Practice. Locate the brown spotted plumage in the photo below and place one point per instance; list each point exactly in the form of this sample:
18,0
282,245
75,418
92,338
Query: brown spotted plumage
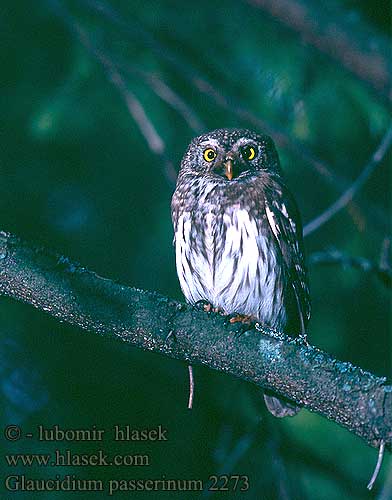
238,234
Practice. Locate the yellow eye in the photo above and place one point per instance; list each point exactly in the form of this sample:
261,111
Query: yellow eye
209,154
248,153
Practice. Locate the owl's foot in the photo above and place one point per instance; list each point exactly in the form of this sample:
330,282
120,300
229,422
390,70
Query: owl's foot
204,305
208,308
246,319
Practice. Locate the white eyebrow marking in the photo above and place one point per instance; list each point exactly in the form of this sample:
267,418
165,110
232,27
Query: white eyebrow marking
210,142
242,141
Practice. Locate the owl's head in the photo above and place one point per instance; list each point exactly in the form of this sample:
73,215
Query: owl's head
230,154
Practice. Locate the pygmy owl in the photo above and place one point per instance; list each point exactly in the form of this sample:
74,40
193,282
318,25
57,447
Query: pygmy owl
238,235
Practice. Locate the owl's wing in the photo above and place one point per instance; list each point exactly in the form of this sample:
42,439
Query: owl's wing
285,222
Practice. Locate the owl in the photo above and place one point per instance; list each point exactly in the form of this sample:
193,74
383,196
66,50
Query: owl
238,236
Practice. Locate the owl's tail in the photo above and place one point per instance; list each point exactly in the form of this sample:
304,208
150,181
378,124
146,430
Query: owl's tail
278,407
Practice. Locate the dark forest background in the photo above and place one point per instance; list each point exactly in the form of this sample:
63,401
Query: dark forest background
99,101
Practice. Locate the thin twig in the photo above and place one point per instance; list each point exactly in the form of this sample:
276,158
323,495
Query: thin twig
378,465
168,95
348,195
135,108
191,387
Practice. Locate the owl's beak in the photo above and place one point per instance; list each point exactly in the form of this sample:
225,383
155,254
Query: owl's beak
229,169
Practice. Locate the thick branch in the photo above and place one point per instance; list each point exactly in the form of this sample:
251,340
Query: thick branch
355,399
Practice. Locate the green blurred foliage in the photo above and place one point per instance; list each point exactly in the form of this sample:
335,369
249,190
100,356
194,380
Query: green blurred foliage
77,175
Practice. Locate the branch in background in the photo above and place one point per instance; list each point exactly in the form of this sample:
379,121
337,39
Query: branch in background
334,256
198,81
349,194
163,91
364,53
168,95
134,106
346,394
224,101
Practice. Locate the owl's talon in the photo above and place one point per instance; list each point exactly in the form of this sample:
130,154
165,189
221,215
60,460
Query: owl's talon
203,305
243,318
